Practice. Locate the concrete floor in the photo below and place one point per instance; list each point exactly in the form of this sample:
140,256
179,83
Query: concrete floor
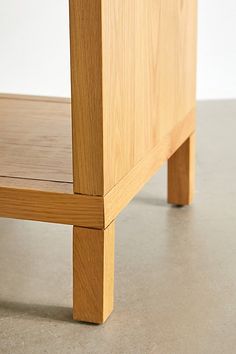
175,268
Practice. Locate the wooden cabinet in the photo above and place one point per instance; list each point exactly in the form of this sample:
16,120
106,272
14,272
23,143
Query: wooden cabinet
133,74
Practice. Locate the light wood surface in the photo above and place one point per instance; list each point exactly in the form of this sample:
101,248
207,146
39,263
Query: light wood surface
129,186
36,185
133,80
27,165
87,101
52,207
52,99
133,66
93,280
181,174
36,164
149,59
35,138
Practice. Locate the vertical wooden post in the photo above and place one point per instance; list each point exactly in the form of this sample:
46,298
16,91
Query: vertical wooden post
93,250
86,92
181,174
93,253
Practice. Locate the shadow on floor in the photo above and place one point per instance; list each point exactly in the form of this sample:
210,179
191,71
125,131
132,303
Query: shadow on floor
56,313
49,312
156,202
152,200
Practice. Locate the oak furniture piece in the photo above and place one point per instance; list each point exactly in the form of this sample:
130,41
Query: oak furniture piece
133,67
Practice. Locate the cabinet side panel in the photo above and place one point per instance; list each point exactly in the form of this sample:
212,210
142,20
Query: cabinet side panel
149,64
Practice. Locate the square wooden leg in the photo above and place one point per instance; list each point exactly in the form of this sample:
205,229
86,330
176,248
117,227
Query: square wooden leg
181,174
93,274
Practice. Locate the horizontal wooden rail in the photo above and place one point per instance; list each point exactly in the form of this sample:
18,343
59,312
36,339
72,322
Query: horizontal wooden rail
59,208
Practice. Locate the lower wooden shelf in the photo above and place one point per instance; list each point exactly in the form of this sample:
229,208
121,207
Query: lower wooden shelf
35,143
36,180
36,164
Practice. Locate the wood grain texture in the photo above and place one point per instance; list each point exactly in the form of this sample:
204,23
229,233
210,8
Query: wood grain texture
133,79
36,185
52,207
87,101
129,186
93,270
59,204
52,99
35,138
149,66
181,174
133,67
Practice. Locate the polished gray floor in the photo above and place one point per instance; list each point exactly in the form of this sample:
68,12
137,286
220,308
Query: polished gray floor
175,267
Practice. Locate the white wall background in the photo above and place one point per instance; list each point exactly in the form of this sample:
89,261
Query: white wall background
34,48
216,49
